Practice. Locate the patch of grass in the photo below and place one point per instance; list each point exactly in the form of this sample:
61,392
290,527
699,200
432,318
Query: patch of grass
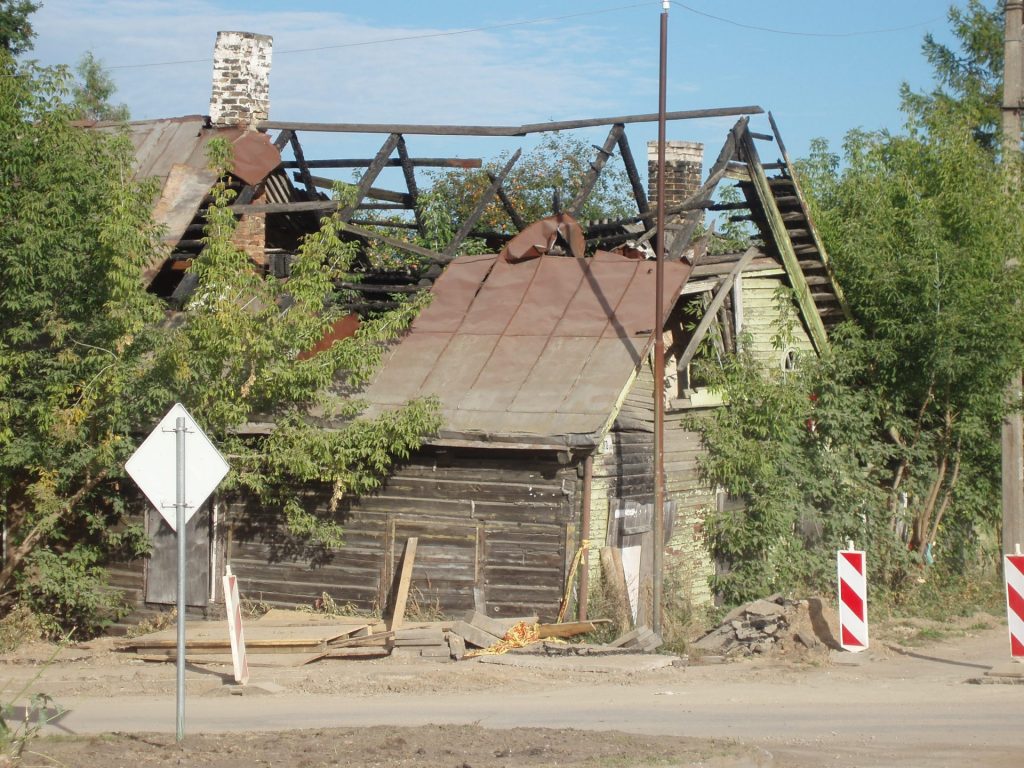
253,608
926,635
940,594
419,608
18,627
160,621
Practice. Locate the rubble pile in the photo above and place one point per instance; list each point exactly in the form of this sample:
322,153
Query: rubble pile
770,625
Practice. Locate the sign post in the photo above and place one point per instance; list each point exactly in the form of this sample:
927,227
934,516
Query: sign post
196,473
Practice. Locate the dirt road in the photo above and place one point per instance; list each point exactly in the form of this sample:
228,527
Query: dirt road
908,707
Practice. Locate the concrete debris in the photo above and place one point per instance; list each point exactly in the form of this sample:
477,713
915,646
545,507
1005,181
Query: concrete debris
769,625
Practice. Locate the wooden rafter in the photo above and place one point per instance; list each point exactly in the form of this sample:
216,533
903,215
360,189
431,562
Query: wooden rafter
410,179
517,221
711,312
682,238
394,162
374,169
503,130
481,205
639,193
283,138
300,158
603,153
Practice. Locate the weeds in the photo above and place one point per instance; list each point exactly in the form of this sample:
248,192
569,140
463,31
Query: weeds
18,627
20,724
160,621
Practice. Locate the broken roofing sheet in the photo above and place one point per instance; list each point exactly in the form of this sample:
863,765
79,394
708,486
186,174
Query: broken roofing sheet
534,352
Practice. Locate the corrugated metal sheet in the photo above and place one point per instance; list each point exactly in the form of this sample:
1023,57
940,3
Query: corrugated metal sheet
535,352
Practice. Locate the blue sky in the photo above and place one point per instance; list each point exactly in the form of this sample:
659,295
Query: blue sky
599,59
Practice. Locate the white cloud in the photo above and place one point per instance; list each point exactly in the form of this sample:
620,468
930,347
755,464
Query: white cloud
515,75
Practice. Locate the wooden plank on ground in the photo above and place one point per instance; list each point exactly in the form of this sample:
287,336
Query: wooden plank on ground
456,645
486,623
474,636
349,653
570,628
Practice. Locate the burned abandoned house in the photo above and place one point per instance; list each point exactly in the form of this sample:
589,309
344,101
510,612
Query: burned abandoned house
538,353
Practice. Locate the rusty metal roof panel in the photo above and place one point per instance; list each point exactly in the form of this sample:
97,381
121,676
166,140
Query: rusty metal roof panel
603,374
595,302
453,294
501,379
460,363
500,297
552,289
399,380
554,373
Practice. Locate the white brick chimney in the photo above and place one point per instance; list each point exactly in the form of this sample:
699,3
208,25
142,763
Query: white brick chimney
241,78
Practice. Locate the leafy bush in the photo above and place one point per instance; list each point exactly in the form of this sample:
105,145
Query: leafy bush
70,593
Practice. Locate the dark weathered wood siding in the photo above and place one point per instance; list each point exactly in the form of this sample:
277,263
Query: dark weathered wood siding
491,524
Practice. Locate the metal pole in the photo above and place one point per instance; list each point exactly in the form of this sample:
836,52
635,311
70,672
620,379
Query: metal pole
1013,424
588,482
659,343
179,508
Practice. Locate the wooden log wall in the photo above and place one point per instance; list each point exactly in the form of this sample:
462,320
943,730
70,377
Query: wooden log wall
623,468
492,527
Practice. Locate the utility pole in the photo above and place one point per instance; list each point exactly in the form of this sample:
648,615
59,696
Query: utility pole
659,343
1013,424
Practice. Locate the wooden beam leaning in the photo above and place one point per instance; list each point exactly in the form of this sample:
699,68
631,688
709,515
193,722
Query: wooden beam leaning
410,179
707,189
712,310
481,205
300,158
779,233
502,130
374,169
639,193
431,256
374,192
417,162
283,138
603,153
517,221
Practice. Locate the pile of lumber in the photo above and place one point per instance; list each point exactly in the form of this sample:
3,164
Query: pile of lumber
294,638
279,638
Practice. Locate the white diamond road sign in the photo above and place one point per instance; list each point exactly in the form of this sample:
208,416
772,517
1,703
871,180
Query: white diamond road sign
153,466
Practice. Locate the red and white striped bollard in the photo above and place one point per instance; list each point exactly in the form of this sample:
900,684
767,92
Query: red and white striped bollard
853,599
1013,574
234,612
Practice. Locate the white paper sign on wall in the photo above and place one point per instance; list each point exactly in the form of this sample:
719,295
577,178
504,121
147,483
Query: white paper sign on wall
153,466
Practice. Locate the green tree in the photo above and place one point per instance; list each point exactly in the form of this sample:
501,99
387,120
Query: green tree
87,363
75,231
558,165
241,355
921,227
968,77
16,33
93,91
